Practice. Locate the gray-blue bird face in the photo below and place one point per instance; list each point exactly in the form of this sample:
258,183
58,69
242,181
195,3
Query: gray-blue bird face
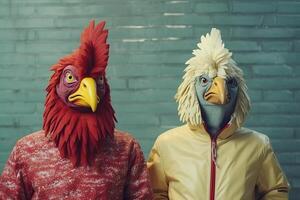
217,98
216,91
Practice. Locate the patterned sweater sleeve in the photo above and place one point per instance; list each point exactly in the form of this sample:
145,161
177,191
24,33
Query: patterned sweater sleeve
11,181
138,182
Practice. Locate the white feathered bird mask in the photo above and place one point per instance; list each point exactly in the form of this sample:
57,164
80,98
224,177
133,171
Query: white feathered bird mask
214,59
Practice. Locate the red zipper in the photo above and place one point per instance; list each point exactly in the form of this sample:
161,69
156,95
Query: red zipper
213,162
213,168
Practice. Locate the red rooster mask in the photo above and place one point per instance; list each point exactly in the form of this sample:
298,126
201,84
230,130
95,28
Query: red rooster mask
78,114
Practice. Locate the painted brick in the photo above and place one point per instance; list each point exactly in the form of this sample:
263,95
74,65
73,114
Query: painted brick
278,95
7,120
238,20
288,158
73,22
288,20
296,70
176,6
277,46
16,58
262,58
297,95
288,7
275,132
5,2
188,19
267,32
7,48
6,35
13,108
297,45
273,120
61,34
147,95
29,119
169,58
268,83
296,183
135,70
146,146
255,95
18,95
292,171
34,23
117,83
269,20
247,70
22,84
13,132
291,57
285,145
253,7
163,83
23,11
152,33
243,46
6,23
48,59
7,145
149,107
272,70
275,108
153,45
211,7
142,132
64,48
4,11
47,2
126,118
170,120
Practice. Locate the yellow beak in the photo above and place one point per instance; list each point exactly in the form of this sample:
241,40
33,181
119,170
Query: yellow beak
86,95
217,93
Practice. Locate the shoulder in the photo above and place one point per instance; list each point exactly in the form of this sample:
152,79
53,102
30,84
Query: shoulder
173,134
125,139
253,137
171,138
29,144
32,140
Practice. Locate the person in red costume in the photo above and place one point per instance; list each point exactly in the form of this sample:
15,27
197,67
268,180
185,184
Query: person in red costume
79,154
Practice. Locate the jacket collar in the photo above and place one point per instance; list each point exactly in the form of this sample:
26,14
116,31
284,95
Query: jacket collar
226,132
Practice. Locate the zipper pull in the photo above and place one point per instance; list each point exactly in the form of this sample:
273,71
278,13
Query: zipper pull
214,152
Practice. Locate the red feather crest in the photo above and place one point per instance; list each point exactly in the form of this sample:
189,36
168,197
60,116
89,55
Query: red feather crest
93,50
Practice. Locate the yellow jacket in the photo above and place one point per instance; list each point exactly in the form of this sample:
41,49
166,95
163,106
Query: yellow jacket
186,163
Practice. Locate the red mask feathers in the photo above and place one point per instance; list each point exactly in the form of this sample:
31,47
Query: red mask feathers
78,113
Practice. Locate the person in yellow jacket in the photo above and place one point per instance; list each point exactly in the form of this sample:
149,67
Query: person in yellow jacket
212,157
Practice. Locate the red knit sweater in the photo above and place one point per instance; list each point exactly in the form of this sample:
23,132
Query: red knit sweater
35,170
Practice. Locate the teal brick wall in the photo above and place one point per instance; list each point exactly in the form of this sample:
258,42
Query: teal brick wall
150,42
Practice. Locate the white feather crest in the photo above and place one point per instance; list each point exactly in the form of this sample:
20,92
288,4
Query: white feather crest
215,60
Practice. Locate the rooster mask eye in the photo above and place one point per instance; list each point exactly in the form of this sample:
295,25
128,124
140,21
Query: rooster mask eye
68,83
69,78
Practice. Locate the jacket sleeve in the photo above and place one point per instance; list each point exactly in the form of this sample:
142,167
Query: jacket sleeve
138,182
158,178
271,183
11,180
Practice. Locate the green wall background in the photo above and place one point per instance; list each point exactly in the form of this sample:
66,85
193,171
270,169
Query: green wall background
150,42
